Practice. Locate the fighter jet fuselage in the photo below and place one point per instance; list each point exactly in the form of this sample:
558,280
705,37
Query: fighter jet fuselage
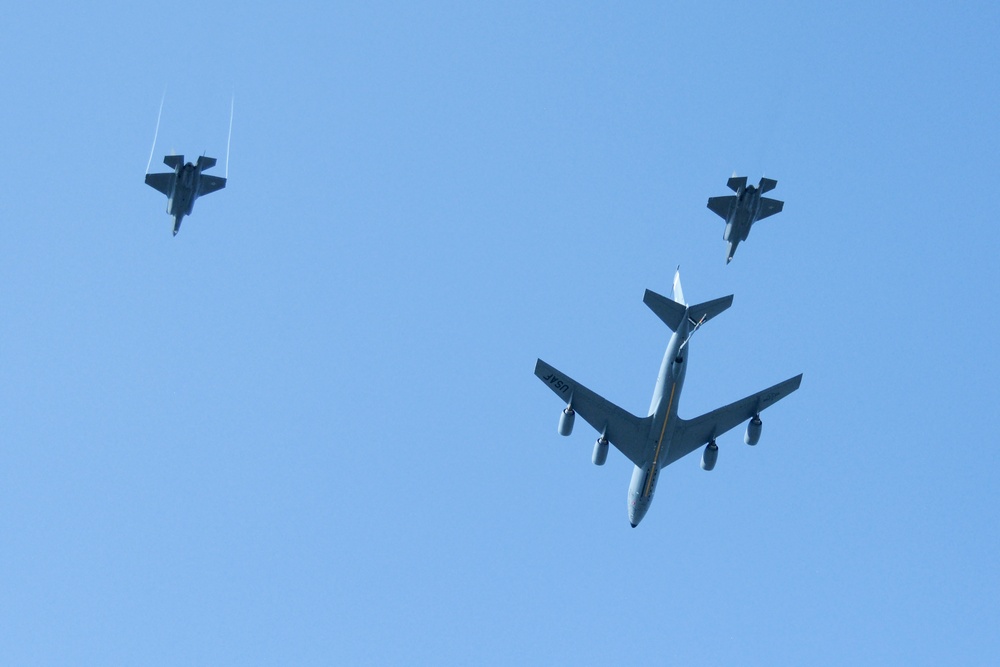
742,215
182,194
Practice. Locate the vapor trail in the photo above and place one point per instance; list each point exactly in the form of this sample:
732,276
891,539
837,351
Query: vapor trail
232,102
157,132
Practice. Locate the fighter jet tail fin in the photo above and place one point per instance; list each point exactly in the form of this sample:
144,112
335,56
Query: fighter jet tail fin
206,162
767,184
173,161
736,182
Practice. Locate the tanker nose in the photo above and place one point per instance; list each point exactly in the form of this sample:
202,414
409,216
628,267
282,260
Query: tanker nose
636,510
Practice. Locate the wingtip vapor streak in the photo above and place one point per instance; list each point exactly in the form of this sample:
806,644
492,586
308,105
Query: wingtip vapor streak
657,440
185,184
742,210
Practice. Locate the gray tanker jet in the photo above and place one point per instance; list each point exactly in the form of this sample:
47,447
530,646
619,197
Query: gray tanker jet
662,437
185,184
744,209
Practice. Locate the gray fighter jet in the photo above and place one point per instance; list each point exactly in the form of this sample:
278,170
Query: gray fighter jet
744,209
185,184
656,441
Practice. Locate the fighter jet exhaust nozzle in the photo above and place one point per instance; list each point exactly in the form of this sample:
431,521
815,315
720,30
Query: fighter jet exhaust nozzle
752,436
566,420
710,456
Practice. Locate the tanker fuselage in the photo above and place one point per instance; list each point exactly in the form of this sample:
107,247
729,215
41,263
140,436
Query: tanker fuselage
663,410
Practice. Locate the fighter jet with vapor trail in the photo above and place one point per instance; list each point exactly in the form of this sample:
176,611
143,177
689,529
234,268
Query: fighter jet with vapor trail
185,184
657,440
742,210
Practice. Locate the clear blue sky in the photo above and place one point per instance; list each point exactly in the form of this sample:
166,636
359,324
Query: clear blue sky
306,430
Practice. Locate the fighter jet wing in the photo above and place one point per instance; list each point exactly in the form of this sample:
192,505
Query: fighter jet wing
721,205
209,184
692,434
161,182
769,207
625,431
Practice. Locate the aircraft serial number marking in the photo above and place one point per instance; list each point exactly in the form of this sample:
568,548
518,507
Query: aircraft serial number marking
559,385
770,397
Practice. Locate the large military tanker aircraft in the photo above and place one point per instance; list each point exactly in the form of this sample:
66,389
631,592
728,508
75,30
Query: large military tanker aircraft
656,441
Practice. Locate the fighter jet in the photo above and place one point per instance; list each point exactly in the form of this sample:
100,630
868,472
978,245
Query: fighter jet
185,184
657,440
744,209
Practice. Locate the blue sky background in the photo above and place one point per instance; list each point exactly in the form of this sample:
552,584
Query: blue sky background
306,430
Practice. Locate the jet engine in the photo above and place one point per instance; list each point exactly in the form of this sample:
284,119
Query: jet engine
600,451
710,456
753,431
566,420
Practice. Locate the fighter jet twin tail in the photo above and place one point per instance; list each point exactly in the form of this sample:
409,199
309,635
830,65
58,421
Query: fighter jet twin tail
663,437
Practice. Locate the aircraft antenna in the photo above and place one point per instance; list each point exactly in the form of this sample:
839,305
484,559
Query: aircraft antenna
232,102
157,132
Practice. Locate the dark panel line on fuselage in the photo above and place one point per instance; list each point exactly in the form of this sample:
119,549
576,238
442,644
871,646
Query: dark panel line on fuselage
659,443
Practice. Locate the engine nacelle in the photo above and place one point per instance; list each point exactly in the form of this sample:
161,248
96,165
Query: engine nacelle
753,431
566,420
600,451
710,456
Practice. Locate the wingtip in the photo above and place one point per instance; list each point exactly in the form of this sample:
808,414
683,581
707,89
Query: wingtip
794,382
